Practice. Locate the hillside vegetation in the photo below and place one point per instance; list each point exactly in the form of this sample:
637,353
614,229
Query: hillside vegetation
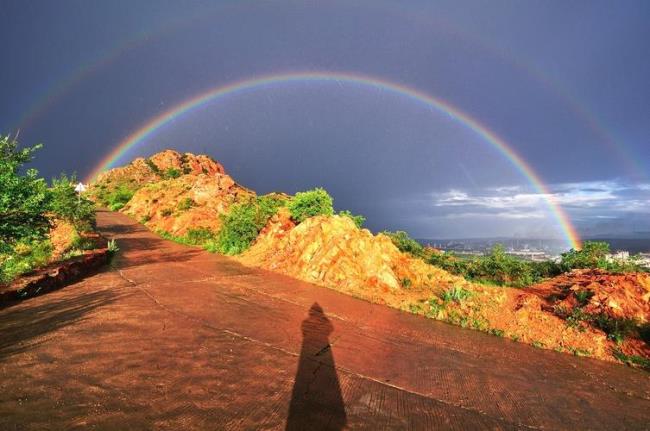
39,224
192,200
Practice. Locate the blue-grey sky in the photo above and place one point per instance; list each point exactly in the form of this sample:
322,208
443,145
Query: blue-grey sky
565,84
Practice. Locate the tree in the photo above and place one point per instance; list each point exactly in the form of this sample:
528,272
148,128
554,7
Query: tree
592,255
23,195
68,205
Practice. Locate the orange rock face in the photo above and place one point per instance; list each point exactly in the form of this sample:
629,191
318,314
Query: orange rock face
333,252
187,202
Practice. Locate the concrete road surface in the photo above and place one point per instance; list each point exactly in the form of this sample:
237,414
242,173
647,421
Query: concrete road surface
174,338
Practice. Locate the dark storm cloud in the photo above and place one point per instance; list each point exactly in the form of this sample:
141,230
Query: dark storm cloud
564,84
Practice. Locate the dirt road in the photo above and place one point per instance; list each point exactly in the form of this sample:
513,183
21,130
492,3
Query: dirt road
175,338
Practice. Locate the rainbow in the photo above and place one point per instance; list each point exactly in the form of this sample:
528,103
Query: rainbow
157,122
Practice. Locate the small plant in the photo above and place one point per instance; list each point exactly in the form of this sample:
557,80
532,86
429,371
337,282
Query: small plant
456,294
185,204
497,332
359,220
583,296
199,236
405,282
435,308
172,173
538,344
119,197
405,243
310,203
633,360
415,308
112,248
617,329
82,243
166,212
145,219
154,168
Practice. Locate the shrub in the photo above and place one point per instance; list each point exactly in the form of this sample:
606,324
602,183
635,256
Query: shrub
66,204
172,173
166,212
154,168
496,268
243,223
185,204
119,197
455,294
310,203
405,243
199,236
359,220
23,196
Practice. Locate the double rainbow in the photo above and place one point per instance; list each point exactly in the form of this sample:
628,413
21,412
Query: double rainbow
440,105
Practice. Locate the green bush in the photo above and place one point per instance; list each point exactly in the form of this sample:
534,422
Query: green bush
172,173
66,204
119,197
592,255
359,220
185,204
199,236
496,268
455,294
310,203
243,223
24,197
405,243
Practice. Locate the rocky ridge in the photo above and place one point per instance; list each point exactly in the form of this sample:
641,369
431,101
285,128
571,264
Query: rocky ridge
333,252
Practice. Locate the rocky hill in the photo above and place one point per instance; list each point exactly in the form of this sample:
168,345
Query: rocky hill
189,198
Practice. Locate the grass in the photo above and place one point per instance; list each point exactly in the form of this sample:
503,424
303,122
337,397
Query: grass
456,294
24,258
633,360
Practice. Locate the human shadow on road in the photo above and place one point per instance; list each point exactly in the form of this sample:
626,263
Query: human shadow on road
316,400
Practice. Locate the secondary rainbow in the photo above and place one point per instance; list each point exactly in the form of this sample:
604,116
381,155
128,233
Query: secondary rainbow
440,105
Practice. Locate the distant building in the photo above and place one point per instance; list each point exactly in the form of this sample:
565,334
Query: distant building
620,255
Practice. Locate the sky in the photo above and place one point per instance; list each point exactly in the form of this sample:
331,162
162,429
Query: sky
564,85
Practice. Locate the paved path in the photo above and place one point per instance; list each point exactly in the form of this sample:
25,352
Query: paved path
174,338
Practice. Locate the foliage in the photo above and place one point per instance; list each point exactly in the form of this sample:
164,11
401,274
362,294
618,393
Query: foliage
455,294
185,204
23,197
243,223
154,168
310,203
25,257
119,197
359,220
633,360
66,204
406,282
172,173
199,236
405,243
495,268
592,255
